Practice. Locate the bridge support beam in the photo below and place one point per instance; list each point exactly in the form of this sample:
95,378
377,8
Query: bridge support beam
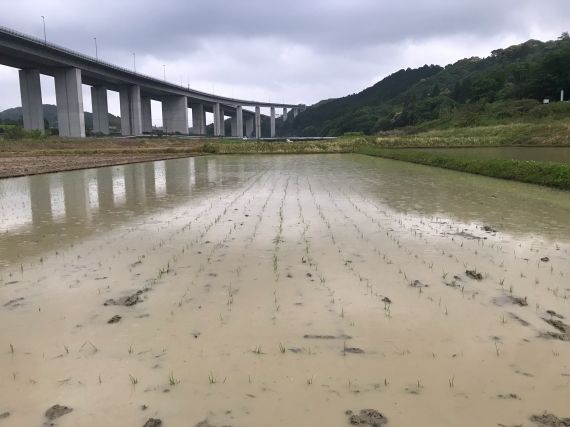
295,112
257,122
175,114
131,112
272,122
69,99
31,92
249,126
198,119
284,114
218,120
100,110
239,122
146,115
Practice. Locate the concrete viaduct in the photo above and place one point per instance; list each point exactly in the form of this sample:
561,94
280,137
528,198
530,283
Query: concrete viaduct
71,69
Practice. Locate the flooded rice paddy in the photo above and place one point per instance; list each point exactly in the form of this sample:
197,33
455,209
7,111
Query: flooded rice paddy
282,291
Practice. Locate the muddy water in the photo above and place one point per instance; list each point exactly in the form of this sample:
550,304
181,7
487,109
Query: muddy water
281,290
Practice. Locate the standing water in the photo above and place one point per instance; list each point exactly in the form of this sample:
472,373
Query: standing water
280,291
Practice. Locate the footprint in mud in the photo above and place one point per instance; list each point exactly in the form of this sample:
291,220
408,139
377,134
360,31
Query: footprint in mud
4,415
367,417
153,422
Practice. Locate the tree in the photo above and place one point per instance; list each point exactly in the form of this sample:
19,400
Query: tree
564,36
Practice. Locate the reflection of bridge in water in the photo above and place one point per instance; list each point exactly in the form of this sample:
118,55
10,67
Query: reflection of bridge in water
65,207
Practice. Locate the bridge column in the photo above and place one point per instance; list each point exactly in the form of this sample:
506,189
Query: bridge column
257,122
69,100
295,112
198,119
131,112
222,122
239,122
249,126
146,115
217,120
233,122
284,114
100,110
31,92
175,114
272,122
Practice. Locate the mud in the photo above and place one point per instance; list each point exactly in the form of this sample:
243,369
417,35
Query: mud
550,420
352,231
127,301
57,411
367,417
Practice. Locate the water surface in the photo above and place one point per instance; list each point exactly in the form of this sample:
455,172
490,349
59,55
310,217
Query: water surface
282,290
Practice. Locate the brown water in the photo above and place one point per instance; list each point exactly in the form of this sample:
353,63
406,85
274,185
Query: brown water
538,154
262,276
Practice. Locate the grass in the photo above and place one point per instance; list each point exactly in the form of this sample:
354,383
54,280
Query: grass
342,145
555,175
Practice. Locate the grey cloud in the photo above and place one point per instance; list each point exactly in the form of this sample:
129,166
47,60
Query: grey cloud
299,50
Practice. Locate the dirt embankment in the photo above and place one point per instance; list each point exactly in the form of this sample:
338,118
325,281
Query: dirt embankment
31,157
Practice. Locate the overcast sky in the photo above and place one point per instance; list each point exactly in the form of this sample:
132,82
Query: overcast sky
296,51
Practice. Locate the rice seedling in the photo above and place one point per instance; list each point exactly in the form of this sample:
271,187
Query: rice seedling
134,380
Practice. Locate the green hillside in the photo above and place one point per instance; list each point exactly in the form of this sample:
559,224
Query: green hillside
14,116
509,83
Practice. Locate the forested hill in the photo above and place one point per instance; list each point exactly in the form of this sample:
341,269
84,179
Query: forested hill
533,70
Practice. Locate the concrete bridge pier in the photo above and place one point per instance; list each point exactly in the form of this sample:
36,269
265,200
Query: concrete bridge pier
257,122
239,122
31,93
249,126
100,110
131,112
295,112
146,115
218,120
284,114
69,100
222,122
272,122
198,119
233,123
175,114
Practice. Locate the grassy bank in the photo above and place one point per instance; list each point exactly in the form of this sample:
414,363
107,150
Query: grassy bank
551,133
344,145
549,174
